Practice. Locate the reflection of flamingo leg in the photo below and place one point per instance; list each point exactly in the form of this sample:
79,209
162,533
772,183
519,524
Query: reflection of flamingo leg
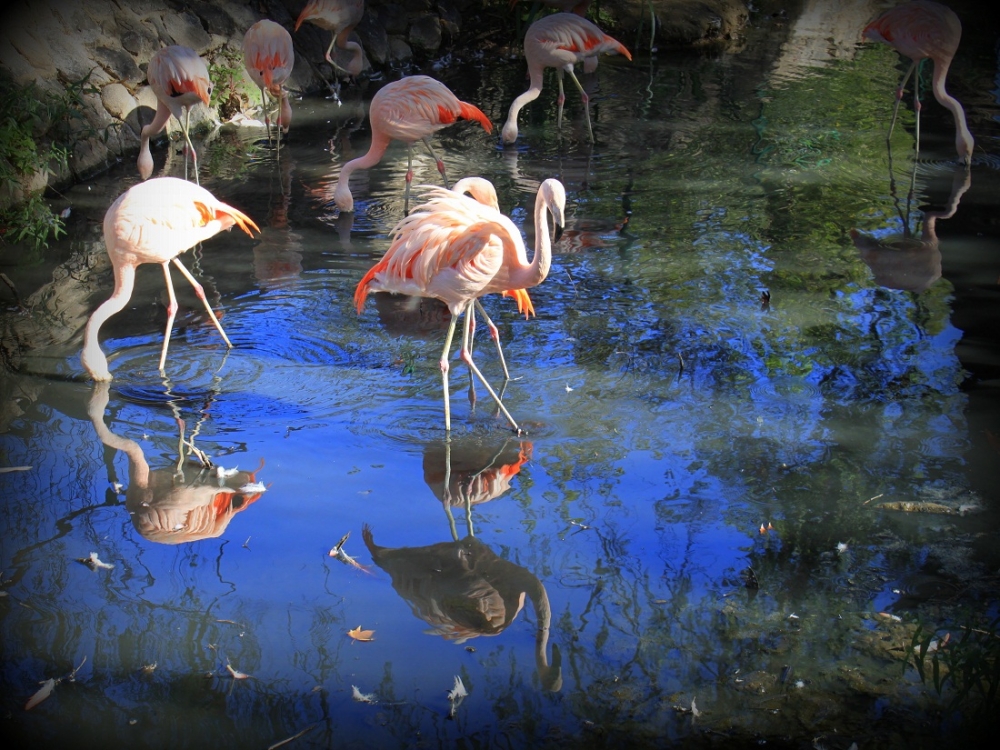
899,98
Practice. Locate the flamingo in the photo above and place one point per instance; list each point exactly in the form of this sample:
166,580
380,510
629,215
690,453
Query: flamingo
179,79
268,57
559,41
919,30
458,250
154,222
409,110
340,17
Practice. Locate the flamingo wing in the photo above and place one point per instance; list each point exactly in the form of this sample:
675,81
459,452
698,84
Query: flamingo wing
417,106
175,71
568,38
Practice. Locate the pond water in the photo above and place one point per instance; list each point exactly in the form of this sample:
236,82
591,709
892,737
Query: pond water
735,410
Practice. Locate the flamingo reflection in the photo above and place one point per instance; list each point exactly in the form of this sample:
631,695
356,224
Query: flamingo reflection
462,588
907,262
174,505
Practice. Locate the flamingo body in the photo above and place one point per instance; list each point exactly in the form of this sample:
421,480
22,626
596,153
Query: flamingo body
559,41
340,17
458,250
409,110
919,30
269,57
179,79
154,222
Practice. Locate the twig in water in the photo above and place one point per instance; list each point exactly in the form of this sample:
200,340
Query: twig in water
293,737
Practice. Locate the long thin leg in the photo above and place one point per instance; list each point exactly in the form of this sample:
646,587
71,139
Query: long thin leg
437,159
409,179
201,295
899,98
443,364
916,108
586,102
187,138
561,99
467,358
495,335
171,314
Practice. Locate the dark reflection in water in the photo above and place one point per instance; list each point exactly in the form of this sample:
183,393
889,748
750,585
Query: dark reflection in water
462,588
184,503
907,262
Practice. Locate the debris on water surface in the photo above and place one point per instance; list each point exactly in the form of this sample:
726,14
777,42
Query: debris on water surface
456,695
360,697
46,690
361,635
94,562
237,675
253,487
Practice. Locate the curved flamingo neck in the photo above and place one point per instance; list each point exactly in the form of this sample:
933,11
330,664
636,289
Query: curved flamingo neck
145,160
963,138
92,357
342,192
354,66
509,132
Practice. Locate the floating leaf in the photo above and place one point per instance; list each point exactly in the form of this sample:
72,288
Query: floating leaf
237,675
362,697
47,687
361,635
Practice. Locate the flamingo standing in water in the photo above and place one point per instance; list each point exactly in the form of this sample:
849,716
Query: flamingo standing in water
559,41
154,222
919,30
340,17
409,110
457,250
268,57
179,79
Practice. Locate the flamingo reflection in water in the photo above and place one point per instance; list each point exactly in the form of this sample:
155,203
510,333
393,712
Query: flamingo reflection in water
907,262
463,589
184,503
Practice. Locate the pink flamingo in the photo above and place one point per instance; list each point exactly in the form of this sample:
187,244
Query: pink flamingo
154,222
458,250
918,30
559,41
179,78
340,17
409,110
268,57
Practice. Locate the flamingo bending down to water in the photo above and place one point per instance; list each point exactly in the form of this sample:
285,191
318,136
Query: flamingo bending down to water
559,41
918,30
409,110
154,222
179,79
340,17
458,250
268,57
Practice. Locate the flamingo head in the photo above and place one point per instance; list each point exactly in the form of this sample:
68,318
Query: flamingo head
342,196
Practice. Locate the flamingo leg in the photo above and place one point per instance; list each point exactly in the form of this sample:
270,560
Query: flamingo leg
171,314
201,295
466,355
443,364
409,179
187,138
561,99
472,379
495,335
899,98
584,97
437,159
916,108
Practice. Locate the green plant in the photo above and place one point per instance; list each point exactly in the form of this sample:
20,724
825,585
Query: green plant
229,93
970,665
38,129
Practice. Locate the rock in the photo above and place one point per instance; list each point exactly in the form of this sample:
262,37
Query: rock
374,39
118,101
214,19
118,64
392,18
399,50
425,34
182,28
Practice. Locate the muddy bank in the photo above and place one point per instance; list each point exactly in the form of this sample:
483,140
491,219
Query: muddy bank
103,47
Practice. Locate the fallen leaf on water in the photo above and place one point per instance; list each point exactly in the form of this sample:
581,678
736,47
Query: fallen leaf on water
362,697
361,635
94,562
47,687
149,668
5,469
695,713
237,675
253,487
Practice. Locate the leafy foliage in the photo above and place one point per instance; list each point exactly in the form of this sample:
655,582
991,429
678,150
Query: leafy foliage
37,131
